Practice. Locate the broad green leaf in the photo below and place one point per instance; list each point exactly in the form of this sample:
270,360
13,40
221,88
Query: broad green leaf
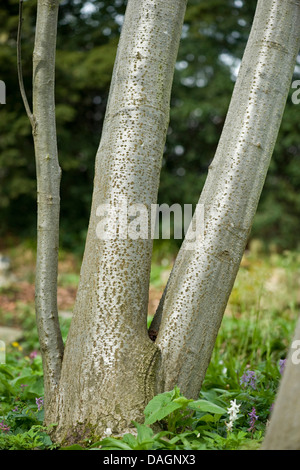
72,447
144,432
7,370
25,379
37,387
206,406
95,445
161,413
182,436
206,418
130,440
159,407
182,401
111,443
45,439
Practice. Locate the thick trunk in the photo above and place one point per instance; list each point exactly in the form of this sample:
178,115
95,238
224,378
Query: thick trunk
283,432
48,190
195,298
106,375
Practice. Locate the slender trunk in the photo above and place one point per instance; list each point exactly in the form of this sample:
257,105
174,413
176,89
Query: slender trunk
48,198
201,281
109,361
283,432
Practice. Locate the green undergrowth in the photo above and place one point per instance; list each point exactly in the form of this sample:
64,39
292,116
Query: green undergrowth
248,380
238,393
21,402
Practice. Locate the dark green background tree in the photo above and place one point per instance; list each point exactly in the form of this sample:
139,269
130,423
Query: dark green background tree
213,39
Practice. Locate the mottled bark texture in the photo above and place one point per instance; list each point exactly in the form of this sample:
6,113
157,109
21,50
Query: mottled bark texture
111,368
48,198
191,310
108,368
283,432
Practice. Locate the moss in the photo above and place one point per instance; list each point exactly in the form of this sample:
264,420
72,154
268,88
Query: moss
82,434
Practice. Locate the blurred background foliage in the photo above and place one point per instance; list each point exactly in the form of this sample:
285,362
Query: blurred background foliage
214,36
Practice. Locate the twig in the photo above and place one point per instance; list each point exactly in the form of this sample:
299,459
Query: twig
19,64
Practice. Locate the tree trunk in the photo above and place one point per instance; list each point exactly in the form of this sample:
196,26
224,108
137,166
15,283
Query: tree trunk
48,194
108,368
193,304
283,432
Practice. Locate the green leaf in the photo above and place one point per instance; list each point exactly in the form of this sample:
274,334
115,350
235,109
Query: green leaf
207,406
47,442
159,407
37,387
175,393
130,440
112,443
7,370
182,401
207,418
72,447
144,432
24,379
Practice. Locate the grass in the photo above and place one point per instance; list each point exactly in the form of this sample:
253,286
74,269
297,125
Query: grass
245,369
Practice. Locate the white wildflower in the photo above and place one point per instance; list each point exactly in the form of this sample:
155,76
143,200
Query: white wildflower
229,426
224,370
107,432
234,409
233,414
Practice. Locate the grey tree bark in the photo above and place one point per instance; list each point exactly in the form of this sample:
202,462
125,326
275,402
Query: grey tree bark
48,175
110,367
193,304
48,194
283,432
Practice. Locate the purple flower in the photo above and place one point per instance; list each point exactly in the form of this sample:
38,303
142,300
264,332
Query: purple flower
33,354
282,363
4,427
253,418
39,402
249,378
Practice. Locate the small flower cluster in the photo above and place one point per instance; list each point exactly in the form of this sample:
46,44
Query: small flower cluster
253,418
282,363
39,402
4,427
33,355
233,414
249,379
